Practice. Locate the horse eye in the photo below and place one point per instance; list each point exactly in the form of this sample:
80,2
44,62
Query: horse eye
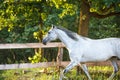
48,32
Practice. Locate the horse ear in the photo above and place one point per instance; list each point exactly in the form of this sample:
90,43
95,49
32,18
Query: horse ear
53,26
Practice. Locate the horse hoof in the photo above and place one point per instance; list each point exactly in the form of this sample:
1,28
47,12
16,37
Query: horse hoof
65,71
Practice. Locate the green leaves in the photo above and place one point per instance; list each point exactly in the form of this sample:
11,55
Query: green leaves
19,15
37,57
24,21
68,9
103,28
104,6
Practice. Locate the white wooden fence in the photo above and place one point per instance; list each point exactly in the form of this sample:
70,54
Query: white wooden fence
41,64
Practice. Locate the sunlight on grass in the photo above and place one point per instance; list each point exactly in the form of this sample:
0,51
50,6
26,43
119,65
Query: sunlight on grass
96,72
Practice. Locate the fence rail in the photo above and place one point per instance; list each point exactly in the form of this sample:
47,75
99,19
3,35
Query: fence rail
42,64
48,64
30,45
33,45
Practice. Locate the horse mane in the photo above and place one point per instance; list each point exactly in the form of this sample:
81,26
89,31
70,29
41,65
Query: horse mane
71,34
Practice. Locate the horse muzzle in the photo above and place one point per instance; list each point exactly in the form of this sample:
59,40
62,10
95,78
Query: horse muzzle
44,41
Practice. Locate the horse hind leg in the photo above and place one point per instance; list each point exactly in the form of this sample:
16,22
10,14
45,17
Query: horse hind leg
115,67
84,67
62,76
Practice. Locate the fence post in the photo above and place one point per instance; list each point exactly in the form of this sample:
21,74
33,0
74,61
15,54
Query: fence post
59,57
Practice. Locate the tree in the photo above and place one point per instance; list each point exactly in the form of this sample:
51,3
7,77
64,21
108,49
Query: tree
28,20
97,9
20,21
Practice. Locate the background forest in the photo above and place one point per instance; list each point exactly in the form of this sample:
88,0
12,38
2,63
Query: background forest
26,21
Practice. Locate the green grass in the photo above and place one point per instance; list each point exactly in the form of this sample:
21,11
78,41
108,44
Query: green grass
97,73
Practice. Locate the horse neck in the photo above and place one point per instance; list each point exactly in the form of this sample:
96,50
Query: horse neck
65,38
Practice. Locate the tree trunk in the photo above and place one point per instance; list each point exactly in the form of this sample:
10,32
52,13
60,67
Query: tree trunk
84,19
83,23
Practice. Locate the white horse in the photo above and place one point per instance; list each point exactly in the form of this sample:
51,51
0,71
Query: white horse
83,49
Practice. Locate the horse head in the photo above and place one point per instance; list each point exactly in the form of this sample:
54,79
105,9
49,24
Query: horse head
50,36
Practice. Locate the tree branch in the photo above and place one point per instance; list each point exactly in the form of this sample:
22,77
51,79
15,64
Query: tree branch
94,14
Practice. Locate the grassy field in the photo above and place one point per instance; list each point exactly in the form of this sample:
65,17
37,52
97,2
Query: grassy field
97,73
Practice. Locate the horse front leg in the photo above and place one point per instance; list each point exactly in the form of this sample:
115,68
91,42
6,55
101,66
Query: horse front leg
115,67
69,67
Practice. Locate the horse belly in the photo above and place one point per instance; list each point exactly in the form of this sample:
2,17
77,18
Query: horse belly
97,54
93,59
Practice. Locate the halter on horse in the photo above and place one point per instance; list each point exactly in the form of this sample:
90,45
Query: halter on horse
83,49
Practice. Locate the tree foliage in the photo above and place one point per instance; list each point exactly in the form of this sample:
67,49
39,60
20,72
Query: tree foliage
27,21
105,28
104,5
97,9
24,21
